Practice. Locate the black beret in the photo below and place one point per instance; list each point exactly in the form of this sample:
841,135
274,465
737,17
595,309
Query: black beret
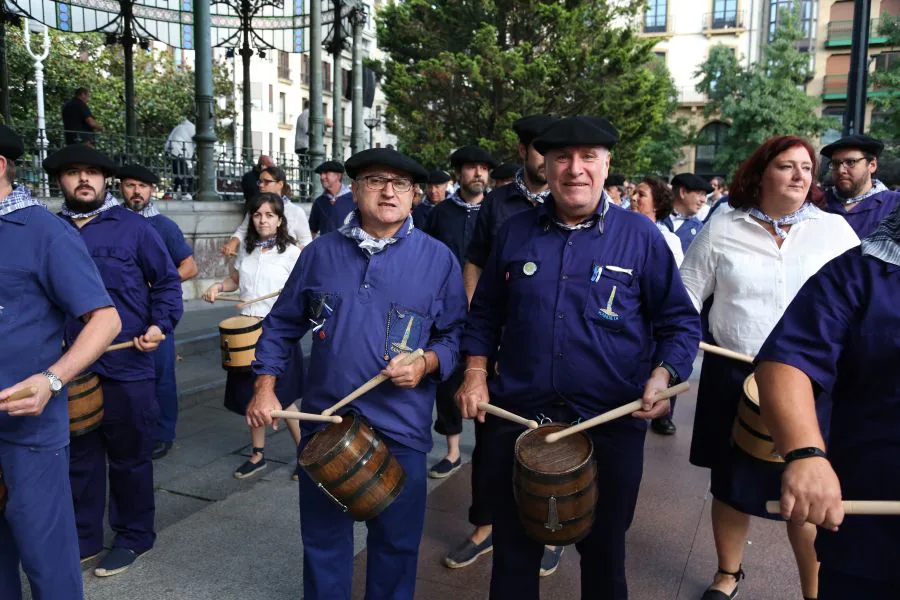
10,143
577,131
330,166
862,142
137,172
614,179
691,182
472,154
386,158
79,154
438,176
505,171
528,128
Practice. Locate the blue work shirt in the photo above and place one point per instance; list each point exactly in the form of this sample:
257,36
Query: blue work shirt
843,330
172,237
420,213
580,312
865,216
364,311
326,216
142,281
46,277
453,225
686,232
498,206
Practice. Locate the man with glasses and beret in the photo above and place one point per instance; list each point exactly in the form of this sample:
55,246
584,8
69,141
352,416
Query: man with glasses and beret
374,291
137,184
587,307
856,195
435,193
46,277
146,290
331,208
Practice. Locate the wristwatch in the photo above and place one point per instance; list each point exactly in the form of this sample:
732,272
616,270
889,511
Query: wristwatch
808,452
55,384
674,379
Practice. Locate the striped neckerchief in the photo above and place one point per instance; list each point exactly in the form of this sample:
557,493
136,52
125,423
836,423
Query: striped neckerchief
108,203
18,198
884,242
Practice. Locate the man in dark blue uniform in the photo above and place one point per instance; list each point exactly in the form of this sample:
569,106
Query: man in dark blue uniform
46,277
435,193
374,290
144,285
856,195
841,335
503,175
690,196
137,185
331,208
615,188
587,307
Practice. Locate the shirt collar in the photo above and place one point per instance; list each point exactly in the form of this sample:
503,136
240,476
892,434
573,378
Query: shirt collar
546,211
744,215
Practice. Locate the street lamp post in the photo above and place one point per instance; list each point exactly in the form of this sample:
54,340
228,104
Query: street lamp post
372,123
38,28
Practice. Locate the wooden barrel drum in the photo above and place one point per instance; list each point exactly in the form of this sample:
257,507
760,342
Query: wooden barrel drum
353,466
85,404
237,339
749,433
555,485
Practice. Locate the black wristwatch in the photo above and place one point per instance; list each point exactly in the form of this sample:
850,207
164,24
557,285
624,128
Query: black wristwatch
674,379
809,452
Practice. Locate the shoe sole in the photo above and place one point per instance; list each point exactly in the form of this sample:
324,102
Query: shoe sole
435,475
450,564
98,572
88,559
250,474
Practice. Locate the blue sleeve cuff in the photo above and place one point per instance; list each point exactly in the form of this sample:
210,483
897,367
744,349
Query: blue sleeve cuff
447,362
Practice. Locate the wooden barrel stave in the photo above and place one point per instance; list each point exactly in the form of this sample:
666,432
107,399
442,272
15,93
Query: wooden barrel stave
85,404
749,432
238,336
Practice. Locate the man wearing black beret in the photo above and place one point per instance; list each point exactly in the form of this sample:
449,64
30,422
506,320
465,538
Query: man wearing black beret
689,192
856,195
331,208
435,193
504,175
374,291
615,188
586,305
137,185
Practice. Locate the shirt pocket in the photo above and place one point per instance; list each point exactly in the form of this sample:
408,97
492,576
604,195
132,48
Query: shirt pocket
528,292
612,299
407,330
322,309
12,300
113,264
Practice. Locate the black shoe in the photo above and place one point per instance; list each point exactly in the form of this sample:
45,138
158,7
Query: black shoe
550,560
717,595
251,468
468,552
444,468
117,561
160,449
663,426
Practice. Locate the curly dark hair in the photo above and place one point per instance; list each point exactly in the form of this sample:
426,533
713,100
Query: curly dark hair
744,188
282,238
662,196
280,176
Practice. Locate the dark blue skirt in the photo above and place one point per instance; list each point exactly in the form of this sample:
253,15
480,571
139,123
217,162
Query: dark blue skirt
288,387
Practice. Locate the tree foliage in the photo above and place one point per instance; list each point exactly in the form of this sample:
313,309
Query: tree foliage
462,71
765,99
164,91
887,103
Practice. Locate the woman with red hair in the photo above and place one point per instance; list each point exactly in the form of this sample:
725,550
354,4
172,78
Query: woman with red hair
753,260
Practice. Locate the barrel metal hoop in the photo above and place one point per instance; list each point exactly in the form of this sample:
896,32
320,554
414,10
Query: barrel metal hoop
371,482
359,465
338,448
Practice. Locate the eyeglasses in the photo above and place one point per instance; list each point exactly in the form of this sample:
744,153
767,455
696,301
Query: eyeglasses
847,163
263,182
376,183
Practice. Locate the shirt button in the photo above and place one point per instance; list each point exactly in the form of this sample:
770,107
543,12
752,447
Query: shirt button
561,316
366,285
564,277
559,355
568,243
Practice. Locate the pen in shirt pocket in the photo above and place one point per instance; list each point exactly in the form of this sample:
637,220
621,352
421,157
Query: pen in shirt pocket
596,271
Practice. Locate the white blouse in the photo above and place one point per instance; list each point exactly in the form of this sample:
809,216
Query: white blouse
297,224
262,273
754,280
674,243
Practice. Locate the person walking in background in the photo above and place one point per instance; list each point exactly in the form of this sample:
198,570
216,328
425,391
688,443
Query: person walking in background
78,120
180,147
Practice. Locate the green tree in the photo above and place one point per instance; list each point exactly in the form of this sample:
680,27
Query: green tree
460,72
886,103
164,92
765,99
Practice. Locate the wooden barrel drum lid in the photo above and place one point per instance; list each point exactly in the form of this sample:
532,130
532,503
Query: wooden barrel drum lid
555,485
749,432
85,404
237,339
353,466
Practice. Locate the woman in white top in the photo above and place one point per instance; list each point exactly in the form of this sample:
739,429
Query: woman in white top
264,262
754,260
653,199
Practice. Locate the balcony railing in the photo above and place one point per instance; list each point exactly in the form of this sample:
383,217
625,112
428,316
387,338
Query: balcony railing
835,87
284,72
840,34
723,21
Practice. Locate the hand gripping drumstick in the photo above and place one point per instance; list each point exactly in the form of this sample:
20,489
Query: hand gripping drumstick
123,345
302,416
726,352
375,381
244,303
23,393
615,413
854,507
505,414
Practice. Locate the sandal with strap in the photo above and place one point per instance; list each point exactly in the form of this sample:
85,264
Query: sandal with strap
711,594
250,468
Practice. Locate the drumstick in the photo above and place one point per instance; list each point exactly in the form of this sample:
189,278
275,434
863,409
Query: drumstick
505,414
23,393
302,416
726,352
123,345
244,303
854,507
375,381
229,298
615,413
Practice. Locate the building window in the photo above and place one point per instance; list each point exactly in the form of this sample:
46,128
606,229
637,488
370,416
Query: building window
724,15
304,69
833,133
807,16
271,145
281,145
271,98
326,75
282,108
710,141
284,65
655,17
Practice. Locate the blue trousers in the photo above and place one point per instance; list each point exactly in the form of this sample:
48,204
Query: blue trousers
166,392
38,526
392,542
125,438
836,585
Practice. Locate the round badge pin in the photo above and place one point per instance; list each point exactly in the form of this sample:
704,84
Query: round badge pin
693,231
529,268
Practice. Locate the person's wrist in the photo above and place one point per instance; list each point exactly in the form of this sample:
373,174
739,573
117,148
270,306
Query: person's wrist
805,452
475,371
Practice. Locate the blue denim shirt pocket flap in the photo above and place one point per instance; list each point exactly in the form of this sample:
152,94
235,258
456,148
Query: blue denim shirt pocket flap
611,299
407,330
112,262
322,308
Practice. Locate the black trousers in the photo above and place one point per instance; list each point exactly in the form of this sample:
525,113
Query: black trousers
449,419
480,512
836,585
